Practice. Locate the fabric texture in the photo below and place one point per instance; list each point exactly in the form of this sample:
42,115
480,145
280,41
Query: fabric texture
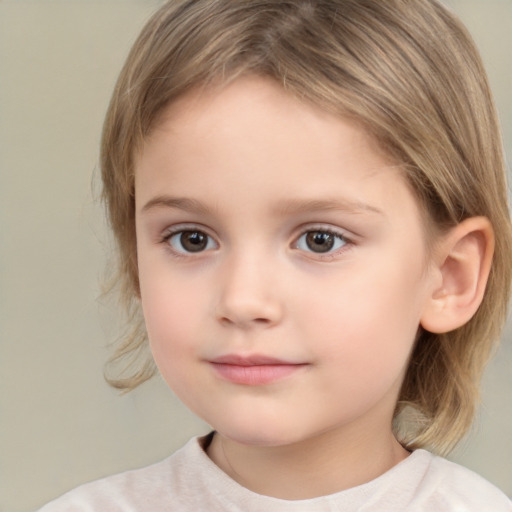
189,481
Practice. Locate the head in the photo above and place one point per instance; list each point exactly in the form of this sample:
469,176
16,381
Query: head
409,75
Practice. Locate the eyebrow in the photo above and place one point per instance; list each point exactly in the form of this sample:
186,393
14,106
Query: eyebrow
181,203
337,204
284,208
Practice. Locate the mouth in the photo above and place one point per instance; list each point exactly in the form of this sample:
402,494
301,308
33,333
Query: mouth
255,370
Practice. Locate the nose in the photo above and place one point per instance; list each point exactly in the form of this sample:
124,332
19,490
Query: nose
248,295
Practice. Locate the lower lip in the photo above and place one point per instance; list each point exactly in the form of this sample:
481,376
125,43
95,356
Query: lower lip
257,375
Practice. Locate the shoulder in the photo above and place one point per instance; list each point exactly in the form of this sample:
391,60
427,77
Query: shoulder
449,486
115,493
145,489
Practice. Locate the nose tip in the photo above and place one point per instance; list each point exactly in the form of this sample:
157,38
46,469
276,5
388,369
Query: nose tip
247,298
258,313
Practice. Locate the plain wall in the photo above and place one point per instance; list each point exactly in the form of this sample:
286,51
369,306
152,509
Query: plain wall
60,423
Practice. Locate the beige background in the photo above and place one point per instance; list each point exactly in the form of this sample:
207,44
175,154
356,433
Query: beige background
60,423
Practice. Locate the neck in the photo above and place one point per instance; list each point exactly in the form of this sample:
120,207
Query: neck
324,464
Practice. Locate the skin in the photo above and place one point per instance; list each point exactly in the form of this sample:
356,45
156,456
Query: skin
252,169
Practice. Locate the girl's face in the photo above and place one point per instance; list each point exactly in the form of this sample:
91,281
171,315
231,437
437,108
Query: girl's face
283,265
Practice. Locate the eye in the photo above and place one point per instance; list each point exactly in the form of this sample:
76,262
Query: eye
320,241
190,241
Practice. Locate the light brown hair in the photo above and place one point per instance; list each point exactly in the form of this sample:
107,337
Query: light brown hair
409,71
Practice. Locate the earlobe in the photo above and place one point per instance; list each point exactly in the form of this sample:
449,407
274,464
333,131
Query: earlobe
464,262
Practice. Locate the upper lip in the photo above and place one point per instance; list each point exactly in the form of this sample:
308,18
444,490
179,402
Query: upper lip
250,360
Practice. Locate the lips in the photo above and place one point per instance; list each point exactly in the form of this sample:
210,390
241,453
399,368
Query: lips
254,370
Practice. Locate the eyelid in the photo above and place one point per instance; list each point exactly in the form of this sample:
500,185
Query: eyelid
184,226
326,228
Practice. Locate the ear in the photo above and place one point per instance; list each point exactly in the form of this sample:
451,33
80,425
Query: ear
462,265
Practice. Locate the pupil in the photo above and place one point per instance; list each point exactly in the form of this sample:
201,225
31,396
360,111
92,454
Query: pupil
193,241
319,242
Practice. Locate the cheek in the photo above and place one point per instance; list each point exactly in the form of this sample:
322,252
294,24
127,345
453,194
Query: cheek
163,312
176,330
171,321
366,323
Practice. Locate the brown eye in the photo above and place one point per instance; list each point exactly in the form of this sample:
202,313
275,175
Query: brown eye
320,241
193,241
190,241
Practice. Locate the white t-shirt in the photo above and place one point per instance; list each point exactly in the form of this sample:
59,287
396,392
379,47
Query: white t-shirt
189,481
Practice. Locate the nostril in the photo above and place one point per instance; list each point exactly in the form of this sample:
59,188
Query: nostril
261,320
255,321
226,321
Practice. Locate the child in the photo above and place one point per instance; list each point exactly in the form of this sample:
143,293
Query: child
310,206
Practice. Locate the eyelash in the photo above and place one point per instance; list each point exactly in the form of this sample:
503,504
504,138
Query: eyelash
328,254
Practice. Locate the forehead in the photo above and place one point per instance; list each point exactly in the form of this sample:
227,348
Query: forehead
263,97
252,135
261,108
